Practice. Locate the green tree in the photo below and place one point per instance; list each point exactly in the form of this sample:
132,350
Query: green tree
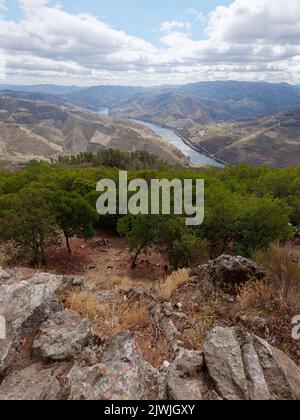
261,222
27,220
189,251
74,216
140,232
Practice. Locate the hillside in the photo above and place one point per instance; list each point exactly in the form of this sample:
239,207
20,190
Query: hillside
198,102
193,319
210,101
273,140
37,129
236,121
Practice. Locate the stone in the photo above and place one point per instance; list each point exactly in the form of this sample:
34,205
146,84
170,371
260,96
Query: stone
243,366
122,375
25,305
183,380
257,386
281,373
30,384
62,336
229,270
223,358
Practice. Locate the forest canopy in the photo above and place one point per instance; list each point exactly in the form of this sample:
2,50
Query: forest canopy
245,208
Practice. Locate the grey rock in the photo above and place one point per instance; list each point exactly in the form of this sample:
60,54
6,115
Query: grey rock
30,384
245,367
281,373
62,336
257,385
213,396
223,358
122,375
25,305
183,380
228,269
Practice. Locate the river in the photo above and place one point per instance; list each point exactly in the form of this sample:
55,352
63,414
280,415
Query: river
196,158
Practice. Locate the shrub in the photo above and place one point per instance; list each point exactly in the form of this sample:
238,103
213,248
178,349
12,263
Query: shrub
189,251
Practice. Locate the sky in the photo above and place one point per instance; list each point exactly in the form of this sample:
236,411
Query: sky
148,42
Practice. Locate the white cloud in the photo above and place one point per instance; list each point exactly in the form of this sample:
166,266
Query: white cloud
197,15
276,21
249,40
173,25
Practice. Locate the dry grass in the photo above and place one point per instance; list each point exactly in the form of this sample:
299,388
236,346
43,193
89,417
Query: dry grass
257,295
108,320
136,316
283,271
104,318
123,283
87,305
166,288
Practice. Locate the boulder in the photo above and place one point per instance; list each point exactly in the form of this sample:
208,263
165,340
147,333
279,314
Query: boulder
223,358
30,384
281,373
62,336
184,377
25,305
229,270
122,375
258,389
245,367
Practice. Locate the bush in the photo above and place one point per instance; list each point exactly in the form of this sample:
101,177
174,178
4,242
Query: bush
189,251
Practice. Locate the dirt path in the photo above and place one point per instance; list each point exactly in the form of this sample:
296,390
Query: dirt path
102,269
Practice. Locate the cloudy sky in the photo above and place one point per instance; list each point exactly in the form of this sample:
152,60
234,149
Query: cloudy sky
149,42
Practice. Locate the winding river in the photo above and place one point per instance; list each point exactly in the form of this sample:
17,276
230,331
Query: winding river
196,158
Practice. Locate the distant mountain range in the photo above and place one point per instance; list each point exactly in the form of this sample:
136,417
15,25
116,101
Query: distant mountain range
217,116
198,102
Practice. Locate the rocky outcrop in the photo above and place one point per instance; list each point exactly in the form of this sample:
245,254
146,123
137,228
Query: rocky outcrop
230,270
235,365
184,379
281,373
25,305
30,384
63,336
223,358
245,367
122,375
65,361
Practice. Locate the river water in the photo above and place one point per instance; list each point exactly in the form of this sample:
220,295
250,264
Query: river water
196,158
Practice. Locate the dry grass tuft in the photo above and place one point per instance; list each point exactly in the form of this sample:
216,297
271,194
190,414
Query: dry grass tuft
283,271
166,288
137,316
257,295
87,305
123,283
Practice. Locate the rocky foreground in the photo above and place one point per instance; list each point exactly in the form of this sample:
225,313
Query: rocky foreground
50,353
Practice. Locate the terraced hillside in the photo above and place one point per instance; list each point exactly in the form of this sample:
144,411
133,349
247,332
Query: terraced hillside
273,140
37,129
